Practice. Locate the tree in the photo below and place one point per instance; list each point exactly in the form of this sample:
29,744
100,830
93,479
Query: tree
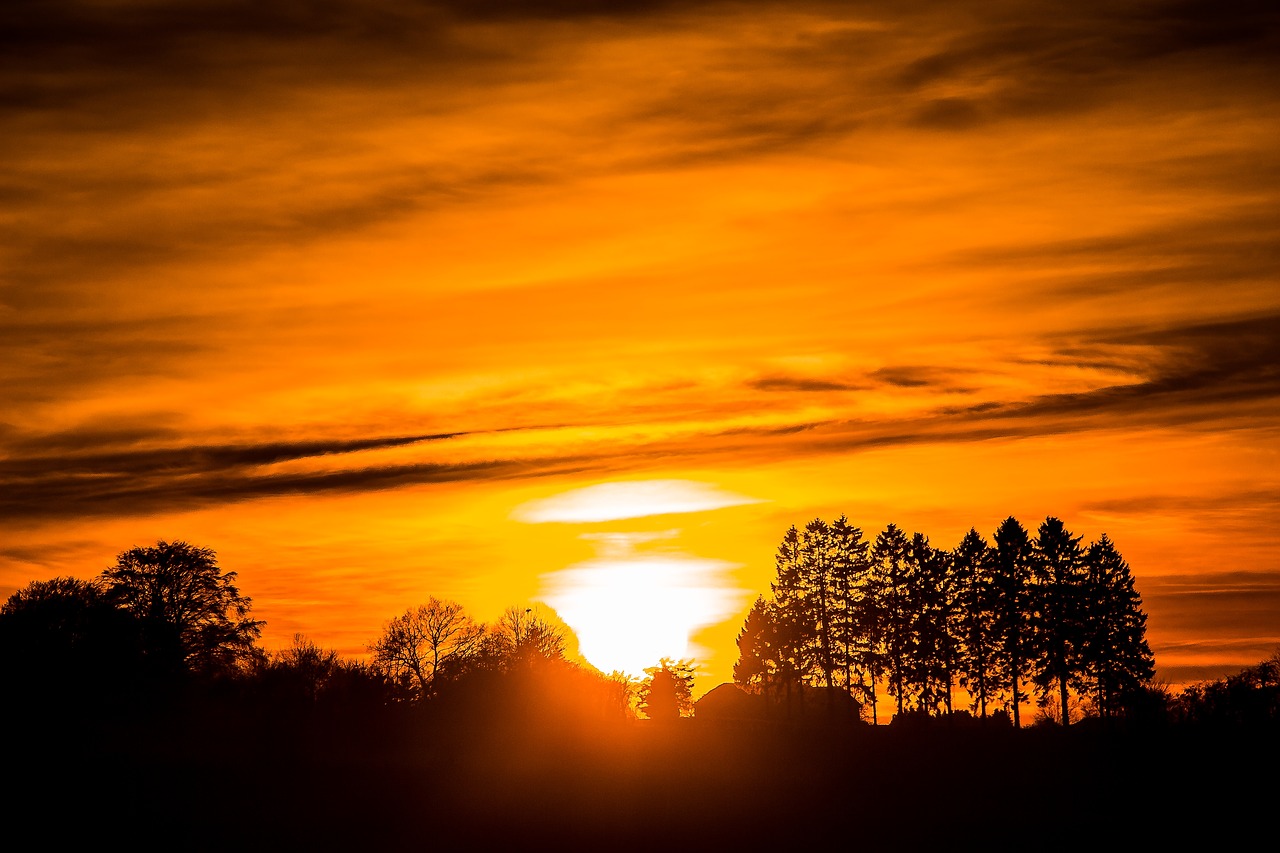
891,561
1057,566
757,667
1116,657
816,589
971,563
525,637
1011,582
667,693
418,645
193,615
303,670
796,629
936,629
850,570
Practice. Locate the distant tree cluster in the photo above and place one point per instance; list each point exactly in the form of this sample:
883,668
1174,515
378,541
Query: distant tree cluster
166,619
1248,699
437,651
1024,613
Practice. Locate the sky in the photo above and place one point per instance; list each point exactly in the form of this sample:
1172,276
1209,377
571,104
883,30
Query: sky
581,305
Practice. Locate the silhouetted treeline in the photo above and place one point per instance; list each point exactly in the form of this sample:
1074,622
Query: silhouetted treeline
141,709
165,627
1021,614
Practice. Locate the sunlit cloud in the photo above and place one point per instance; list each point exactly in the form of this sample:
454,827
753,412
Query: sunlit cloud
628,499
638,259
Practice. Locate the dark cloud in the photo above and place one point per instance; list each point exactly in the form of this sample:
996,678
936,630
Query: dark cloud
147,481
912,376
1235,612
802,384
1031,59
1206,371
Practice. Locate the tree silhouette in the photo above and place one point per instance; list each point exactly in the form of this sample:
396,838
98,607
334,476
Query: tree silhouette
817,590
1115,654
935,623
891,561
525,637
971,564
1058,627
759,666
193,615
851,634
795,628
667,693
1011,580
417,645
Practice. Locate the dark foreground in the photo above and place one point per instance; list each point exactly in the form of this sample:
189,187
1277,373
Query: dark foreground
414,784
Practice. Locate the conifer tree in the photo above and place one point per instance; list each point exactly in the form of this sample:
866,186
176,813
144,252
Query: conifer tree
850,570
1058,575
1012,585
1116,657
795,627
760,666
936,649
817,591
891,561
972,563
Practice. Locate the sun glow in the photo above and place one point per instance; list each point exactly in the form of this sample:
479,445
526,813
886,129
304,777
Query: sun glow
641,599
630,612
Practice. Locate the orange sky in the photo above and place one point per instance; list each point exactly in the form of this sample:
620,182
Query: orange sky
355,293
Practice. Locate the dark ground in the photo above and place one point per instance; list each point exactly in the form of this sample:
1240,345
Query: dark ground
215,782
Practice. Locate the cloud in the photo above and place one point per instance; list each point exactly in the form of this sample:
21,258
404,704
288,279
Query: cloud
801,383
628,499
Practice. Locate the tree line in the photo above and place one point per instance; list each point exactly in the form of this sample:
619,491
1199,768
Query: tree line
167,618
1024,615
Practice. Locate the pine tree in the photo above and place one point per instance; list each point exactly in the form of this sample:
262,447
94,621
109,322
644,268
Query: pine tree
1116,657
935,624
1058,575
760,667
850,570
972,562
817,590
891,562
795,628
1012,584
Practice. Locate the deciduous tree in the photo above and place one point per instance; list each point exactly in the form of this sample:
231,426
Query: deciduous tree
192,611
418,645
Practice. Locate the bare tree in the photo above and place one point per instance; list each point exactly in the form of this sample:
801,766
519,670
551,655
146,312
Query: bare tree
525,636
416,645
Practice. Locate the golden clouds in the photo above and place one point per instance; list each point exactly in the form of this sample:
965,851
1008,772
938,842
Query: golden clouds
324,253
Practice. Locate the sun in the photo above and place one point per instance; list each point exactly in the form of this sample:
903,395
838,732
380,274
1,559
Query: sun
631,607
630,612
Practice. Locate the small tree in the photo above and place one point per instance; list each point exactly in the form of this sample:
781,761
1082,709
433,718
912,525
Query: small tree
526,637
193,614
667,694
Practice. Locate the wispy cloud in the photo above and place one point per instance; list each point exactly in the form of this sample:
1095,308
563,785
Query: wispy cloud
629,499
